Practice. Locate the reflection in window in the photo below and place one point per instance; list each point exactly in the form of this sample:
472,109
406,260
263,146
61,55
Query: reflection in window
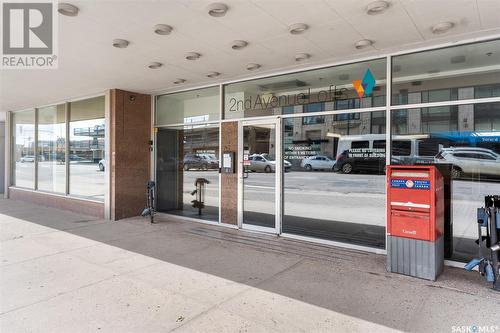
23,150
467,139
346,104
335,158
487,91
187,155
439,119
378,122
188,107
486,117
331,86
87,149
51,149
447,74
314,107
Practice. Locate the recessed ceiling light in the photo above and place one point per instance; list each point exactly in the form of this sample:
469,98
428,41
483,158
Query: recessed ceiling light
179,81
120,43
361,44
67,9
377,7
302,56
155,65
297,28
192,56
213,74
217,9
162,29
442,27
252,66
238,44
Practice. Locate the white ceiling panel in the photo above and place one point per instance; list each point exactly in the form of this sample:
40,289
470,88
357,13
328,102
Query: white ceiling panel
88,64
426,13
489,13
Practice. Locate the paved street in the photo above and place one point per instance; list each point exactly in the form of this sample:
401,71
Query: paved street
339,197
86,179
311,195
64,272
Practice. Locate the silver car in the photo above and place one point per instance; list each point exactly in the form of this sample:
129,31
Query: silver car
265,163
470,160
317,162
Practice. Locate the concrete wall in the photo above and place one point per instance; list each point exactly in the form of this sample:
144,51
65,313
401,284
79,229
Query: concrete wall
130,133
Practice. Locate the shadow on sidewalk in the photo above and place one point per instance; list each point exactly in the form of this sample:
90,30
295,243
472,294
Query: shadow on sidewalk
351,282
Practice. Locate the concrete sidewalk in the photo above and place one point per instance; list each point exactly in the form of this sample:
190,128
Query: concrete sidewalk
63,272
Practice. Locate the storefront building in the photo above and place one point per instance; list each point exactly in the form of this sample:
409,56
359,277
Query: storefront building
299,154
308,149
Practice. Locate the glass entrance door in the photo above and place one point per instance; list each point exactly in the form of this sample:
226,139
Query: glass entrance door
260,174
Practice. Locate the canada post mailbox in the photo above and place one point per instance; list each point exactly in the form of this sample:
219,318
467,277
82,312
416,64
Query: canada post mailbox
415,221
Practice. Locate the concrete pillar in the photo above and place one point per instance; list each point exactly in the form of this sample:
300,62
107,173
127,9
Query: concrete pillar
414,115
466,112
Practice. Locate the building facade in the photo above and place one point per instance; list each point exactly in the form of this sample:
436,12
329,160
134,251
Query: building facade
299,154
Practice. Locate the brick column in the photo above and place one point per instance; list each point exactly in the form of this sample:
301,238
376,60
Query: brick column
130,133
229,181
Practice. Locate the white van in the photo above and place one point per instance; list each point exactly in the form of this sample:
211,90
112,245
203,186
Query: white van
367,152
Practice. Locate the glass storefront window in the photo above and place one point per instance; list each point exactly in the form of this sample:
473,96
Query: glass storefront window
454,73
23,149
336,171
188,107
87,148
188,155
353,86
51,149
465,137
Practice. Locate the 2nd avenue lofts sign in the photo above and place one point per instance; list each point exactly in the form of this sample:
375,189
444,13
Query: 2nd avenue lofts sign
363,88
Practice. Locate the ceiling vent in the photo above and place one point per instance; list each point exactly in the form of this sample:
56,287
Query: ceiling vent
282,85
457,59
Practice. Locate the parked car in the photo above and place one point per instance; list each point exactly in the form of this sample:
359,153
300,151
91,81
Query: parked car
199,162
27,158
318,162
470,160
352,161
366,153
210,158
265,163
102,163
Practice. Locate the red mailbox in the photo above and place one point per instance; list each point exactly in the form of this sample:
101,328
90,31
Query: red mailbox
415,220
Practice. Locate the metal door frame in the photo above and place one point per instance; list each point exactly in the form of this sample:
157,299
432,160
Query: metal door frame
278,175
